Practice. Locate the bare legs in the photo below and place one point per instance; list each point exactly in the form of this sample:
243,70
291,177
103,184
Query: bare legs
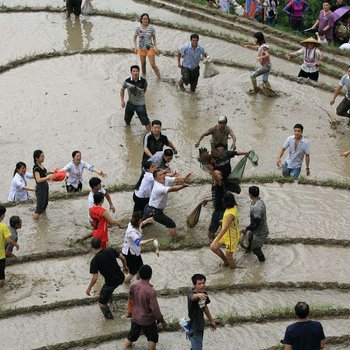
152,62
227,258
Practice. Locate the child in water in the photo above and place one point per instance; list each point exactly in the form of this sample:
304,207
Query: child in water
263,58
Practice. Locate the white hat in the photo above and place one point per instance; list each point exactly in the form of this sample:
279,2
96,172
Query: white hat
222,119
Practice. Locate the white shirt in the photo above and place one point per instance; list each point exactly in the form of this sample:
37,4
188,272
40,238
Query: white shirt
296,155
17,193
159,194
132,241
91,197
225,5
146,186
75,172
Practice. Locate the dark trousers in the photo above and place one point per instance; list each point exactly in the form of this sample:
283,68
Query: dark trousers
42,197
343,108
190,76
312,76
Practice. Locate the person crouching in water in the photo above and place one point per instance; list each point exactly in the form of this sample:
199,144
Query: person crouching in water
263,58
229,234
312,57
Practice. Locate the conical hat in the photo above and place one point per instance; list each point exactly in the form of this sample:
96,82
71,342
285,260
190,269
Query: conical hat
310,41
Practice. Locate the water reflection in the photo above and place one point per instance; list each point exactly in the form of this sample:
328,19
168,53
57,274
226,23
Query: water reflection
78,34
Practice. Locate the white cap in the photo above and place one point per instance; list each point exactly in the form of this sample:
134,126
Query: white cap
222,119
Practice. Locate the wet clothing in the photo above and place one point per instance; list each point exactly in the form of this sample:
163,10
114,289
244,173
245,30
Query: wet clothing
159,194
219,136
190,76
132,249
41,190
310,66
99,224
217,193
140,110
136,90
296,155
105,262
145,37
145,305
191,57
14,237
17,193
75,174
265,65
159,216
154,145
231,237
304,335
258,229
150,332
74,6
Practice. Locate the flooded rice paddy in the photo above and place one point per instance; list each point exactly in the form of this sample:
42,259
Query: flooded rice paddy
72,102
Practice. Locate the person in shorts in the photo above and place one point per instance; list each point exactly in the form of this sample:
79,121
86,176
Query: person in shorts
136,87
105,263
146,312
15,224
197,305
191,54
73,6
229,234
5,237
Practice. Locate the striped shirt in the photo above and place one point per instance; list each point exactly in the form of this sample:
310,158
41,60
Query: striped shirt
145,37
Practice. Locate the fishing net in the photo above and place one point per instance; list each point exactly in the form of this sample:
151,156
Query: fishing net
237,173
193,218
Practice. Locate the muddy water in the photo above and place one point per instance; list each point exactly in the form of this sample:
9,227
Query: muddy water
41,282
249,336
244,304
316,219
63,104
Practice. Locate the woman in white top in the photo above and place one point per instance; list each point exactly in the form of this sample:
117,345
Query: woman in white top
312,57
74,169
145,44
144,186
133,243
19,189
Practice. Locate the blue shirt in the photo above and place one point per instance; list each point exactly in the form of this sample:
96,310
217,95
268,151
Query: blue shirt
304,335
296,155
191,57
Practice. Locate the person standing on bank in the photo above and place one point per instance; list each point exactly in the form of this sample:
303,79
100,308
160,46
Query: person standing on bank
220,134
146,312
344,105
105,263
19,188
145,44
197,304
257,230
136,87
191,54
41,176
155,141
298,147
304,334
74,169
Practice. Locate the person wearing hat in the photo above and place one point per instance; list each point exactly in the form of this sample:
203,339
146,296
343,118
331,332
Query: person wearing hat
312,57
219,134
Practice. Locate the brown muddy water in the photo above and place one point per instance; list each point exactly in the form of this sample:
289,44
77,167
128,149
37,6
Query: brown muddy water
69,103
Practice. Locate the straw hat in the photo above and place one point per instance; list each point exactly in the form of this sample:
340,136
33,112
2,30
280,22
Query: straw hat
310,41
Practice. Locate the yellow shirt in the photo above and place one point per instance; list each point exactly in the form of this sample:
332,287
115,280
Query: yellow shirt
4,233
231,237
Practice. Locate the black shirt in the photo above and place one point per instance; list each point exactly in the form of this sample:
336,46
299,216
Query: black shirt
195,312
105,262
153,144
223,163
304,335
42,171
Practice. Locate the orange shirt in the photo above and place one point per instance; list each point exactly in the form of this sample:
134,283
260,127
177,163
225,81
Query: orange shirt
100,224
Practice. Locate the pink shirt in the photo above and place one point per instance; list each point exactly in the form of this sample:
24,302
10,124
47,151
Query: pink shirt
326,19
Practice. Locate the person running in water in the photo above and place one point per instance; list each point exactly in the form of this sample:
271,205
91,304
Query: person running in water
263,58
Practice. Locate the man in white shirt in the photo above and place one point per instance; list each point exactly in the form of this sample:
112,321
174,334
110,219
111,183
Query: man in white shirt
298,147
159,198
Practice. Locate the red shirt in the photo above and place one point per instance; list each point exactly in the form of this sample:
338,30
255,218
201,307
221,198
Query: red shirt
100,224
